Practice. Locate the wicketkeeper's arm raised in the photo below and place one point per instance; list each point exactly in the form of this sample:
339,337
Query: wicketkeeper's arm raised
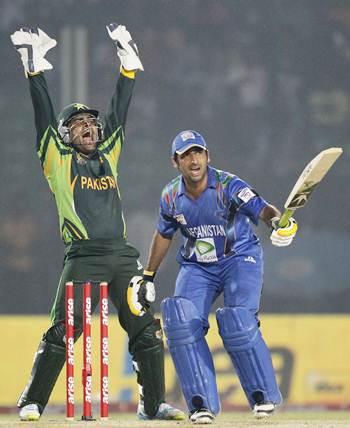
126,48
128,54
44,113
32,44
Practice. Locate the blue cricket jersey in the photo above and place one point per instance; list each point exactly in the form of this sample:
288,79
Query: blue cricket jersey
217,224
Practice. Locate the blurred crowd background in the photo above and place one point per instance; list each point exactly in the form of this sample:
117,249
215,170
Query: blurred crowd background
266,82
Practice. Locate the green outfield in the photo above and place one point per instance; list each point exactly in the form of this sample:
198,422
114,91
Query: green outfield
300,419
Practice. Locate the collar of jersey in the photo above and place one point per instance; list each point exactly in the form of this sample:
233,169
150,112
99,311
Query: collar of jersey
211,181
90,156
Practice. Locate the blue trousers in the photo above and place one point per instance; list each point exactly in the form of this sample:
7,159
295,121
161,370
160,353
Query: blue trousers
239,278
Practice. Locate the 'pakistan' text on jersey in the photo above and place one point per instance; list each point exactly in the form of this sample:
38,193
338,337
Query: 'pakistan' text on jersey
217,224
86,190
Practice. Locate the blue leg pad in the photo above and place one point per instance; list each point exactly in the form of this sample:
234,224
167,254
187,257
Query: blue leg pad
251,358
184,331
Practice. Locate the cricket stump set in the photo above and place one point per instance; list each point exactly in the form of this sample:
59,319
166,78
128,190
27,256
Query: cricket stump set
87,351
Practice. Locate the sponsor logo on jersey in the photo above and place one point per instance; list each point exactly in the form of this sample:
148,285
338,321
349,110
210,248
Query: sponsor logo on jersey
81,160
101,183
301,197
246,194
205,250
206,230
180,218
249,259
204,247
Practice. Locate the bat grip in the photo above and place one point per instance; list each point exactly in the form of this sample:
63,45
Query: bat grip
285,218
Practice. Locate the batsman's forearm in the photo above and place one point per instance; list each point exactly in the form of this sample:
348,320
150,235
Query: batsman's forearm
268,213
159,248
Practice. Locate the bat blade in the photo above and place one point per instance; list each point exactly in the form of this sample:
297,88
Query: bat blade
311,176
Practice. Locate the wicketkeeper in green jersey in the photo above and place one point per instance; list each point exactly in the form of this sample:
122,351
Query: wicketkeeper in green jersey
79,155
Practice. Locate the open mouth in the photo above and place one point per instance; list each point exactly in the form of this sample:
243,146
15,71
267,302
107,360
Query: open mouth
88,136
195,171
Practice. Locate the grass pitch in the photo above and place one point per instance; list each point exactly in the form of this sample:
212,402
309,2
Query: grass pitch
300,419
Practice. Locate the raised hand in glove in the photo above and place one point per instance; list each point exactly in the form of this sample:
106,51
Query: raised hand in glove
32,44
141,293
126,47
283,236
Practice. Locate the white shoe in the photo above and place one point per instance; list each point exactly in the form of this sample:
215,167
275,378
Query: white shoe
263,410
202,417
30,412
165,412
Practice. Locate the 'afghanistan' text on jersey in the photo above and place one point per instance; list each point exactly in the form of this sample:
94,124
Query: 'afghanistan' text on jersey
215,225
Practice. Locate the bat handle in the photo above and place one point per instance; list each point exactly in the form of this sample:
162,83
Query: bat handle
285,218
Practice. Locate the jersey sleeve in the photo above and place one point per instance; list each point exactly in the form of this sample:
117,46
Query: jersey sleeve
44,115
167,225
115,118
49,145
246,199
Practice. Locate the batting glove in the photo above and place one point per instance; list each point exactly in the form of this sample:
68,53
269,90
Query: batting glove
126,47
141,293
283,236
32,44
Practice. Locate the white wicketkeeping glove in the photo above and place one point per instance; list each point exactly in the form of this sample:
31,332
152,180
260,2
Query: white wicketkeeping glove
126,47
283,236
32,44
141,294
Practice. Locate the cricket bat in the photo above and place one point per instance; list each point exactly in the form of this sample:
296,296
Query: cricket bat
311,176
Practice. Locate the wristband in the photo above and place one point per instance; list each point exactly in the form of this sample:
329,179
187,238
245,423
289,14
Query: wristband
128,73
148,275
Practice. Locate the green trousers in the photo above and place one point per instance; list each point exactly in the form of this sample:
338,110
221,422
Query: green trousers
115,262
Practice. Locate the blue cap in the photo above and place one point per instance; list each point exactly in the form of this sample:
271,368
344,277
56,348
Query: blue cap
185,140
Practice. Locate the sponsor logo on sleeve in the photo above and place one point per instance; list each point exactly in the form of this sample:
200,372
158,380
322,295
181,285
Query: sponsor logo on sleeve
180,218
246,194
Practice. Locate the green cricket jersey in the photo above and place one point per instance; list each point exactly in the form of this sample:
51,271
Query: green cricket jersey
86,190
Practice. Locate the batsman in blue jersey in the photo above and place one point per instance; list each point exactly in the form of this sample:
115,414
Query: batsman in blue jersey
220,253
